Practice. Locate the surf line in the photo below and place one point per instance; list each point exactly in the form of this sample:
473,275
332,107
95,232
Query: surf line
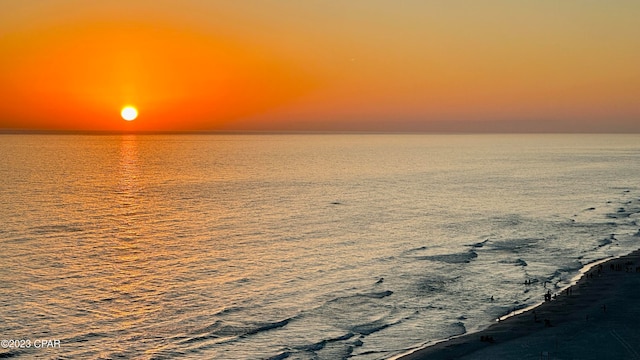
581,273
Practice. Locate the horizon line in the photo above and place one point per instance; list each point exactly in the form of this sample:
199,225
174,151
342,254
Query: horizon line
293,132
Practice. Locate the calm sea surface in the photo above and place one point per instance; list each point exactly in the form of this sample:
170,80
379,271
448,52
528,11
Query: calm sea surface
295,246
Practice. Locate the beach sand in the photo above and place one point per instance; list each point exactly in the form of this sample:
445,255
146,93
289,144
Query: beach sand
598,319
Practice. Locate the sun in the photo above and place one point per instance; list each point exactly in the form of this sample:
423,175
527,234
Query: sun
129,113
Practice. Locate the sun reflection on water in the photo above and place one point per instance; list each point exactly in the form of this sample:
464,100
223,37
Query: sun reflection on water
129,172
133,288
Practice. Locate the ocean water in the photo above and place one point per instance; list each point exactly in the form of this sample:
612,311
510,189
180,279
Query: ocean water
296,246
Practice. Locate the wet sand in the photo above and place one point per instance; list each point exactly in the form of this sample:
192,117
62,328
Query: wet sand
598,318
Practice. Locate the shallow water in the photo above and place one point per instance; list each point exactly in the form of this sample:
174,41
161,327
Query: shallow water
296,246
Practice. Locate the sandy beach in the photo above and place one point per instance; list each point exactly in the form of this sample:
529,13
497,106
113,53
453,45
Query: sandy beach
597,318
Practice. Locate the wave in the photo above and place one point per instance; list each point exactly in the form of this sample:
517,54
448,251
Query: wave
417,249
229,310
459,325
229,332
564,272
607,241
378,295
370,295
344,350
520,262
623,213
457,258
480,244
370,328
8,355
350,317
435,284
321,344
516,262
516,245
268,326
280,356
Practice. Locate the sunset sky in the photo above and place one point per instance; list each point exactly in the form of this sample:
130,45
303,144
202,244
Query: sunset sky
349,65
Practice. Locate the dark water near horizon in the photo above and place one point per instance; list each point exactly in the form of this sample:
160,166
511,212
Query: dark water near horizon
296,246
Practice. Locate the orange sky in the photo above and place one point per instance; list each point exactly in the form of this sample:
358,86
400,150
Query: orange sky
321,65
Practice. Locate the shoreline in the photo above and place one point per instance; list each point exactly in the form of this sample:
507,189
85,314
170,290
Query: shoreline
601,297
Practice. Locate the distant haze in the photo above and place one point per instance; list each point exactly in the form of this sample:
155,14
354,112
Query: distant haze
285,65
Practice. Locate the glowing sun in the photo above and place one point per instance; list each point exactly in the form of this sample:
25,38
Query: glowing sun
129,113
